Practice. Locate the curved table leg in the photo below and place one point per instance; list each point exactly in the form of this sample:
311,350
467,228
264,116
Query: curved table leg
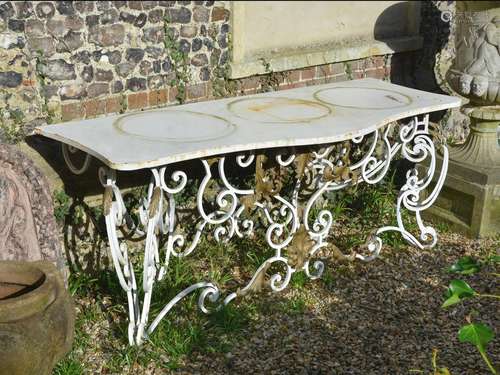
297,227
416,144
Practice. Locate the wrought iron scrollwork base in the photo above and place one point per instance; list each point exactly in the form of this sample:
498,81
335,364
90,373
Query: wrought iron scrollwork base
296,225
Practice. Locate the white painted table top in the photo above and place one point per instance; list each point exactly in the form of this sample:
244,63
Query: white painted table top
309,115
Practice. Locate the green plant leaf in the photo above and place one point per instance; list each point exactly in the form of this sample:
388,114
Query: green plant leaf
477,334
453,299
461,288
457,290
494,259
465,266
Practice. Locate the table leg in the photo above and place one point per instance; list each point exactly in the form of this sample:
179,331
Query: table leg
417,142
296,227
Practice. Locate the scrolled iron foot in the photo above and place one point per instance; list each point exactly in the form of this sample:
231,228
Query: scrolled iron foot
416,145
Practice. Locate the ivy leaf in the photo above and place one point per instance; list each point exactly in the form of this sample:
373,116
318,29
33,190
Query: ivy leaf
477,334
461,288
451,300
465,266
457,290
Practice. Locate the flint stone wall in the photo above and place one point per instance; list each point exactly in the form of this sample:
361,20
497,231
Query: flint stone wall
58,52
68,60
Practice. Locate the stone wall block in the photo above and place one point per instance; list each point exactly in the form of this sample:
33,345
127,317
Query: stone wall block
196,91
178,15
70,42
141,20
147,5
124,69
24,9
45,46
201,14
154,34
222,40
158,97
72,91
114,57
48,91
189,31
134,55
103,75
56,27
65,7
117,87
58,70
7,11
145,68
34,28
16,25
110,16
196,44
92,21
184,46
72,111
96,89
153,52
87,73
155,16
94,107
204,74
156,66
84,6
136,84
10,79
74,22
107,36
166,65
138,100
219,14
200,59
112,105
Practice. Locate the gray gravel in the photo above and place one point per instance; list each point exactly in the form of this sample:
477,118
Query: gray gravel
382,317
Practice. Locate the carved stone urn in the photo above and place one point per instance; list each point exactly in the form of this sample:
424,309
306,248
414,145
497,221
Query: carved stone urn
470,200
36,318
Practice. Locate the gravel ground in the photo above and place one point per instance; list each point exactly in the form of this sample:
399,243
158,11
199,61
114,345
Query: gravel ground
383,317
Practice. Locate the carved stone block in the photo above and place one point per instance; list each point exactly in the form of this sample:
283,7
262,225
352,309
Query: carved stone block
28,230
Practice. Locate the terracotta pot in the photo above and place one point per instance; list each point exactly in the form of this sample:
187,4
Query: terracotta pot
36,318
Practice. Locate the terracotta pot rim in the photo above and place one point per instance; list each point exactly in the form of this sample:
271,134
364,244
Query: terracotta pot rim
33,301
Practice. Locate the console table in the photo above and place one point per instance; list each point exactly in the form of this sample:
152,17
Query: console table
324,138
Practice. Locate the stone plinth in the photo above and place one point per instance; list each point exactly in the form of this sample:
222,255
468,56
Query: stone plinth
470,198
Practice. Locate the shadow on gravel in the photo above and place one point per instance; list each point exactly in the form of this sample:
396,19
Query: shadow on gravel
383,317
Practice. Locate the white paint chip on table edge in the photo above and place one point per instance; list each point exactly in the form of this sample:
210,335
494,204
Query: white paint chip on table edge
309,115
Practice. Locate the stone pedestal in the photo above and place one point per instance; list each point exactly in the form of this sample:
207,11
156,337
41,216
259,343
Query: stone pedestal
470,199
